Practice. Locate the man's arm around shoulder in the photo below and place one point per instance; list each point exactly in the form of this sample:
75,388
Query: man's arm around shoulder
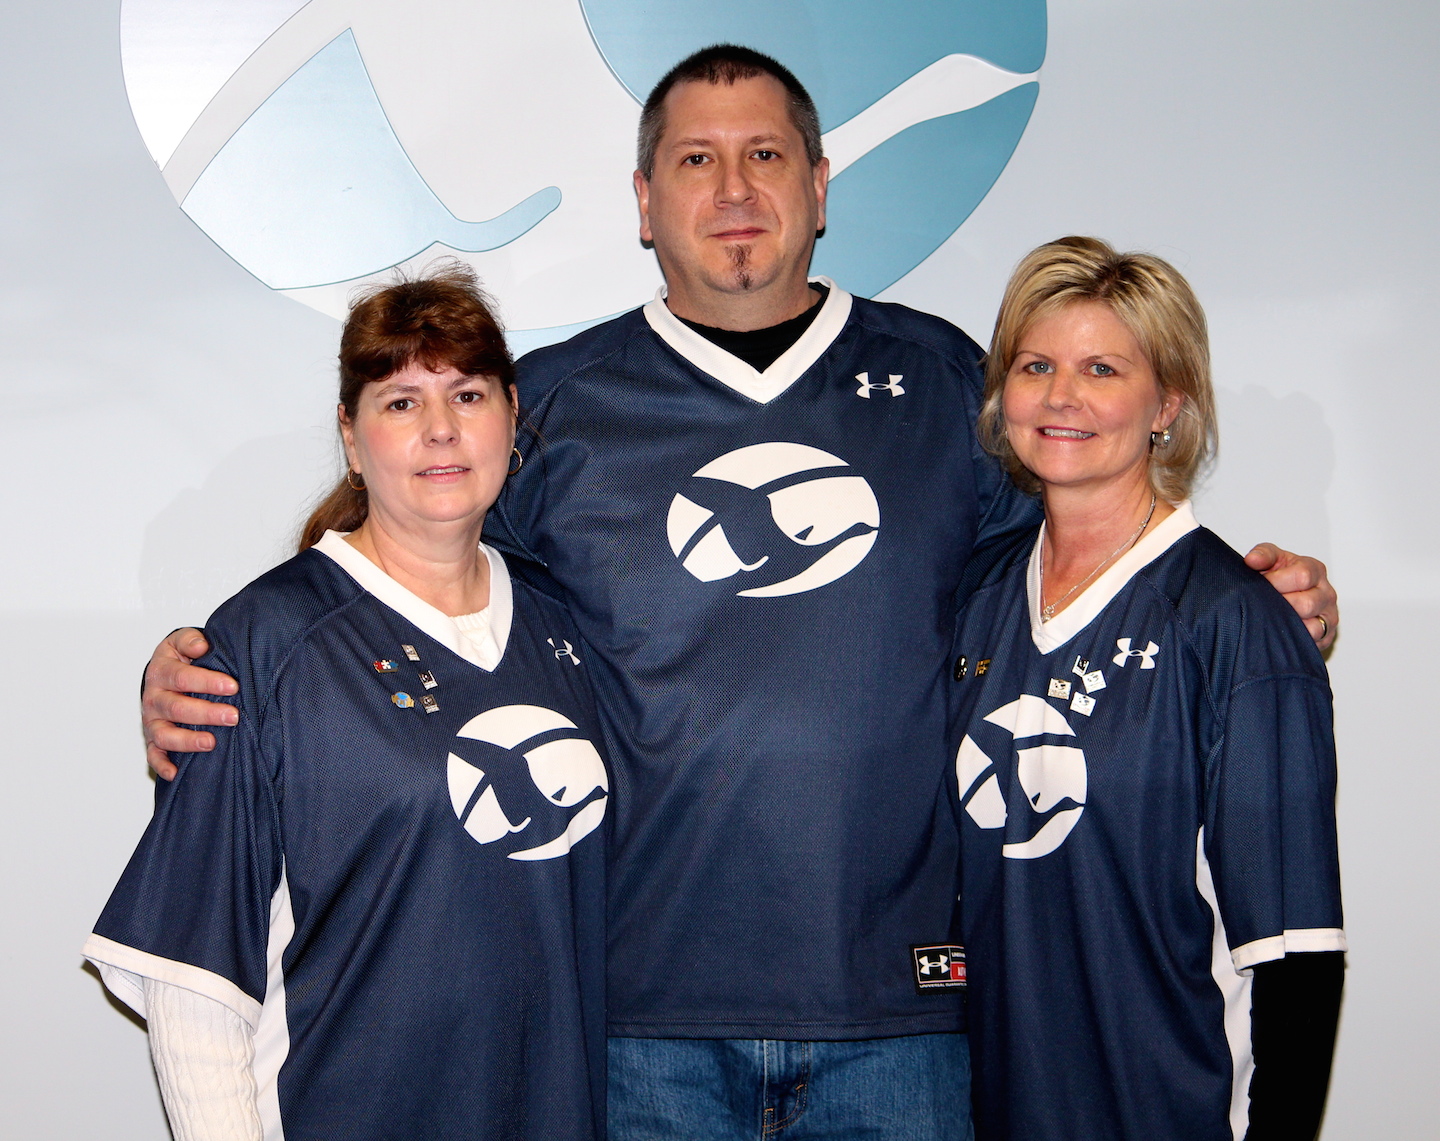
165,704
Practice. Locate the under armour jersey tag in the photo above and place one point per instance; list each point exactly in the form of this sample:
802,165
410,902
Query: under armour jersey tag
939,967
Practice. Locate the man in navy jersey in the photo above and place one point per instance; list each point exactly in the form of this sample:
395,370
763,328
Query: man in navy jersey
759,494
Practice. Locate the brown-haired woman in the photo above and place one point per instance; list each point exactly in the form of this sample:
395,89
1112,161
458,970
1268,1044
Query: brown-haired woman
376,910
1145,771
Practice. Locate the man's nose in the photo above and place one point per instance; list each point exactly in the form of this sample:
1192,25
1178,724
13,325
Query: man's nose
735,186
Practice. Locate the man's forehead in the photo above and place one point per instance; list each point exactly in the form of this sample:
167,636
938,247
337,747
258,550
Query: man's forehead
759,104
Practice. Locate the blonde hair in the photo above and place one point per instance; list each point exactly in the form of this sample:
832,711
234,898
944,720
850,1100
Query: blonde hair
1159,308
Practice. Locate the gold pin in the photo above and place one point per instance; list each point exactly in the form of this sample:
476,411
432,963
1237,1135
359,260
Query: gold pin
982,667
429,704
962,663
410,653
1060,689
1093,680
386,666
427,679
403,700
1082,703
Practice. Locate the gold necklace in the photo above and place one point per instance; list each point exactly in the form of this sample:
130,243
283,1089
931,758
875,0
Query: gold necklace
1048,612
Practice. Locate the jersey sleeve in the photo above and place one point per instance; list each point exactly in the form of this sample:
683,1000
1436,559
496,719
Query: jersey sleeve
192,908
1270,828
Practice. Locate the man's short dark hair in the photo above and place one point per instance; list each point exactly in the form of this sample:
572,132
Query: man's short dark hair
726,63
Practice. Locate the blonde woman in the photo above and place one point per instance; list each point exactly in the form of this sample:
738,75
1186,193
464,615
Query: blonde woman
1145,771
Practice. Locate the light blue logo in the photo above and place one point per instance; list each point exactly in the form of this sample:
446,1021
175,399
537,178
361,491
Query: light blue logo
321,144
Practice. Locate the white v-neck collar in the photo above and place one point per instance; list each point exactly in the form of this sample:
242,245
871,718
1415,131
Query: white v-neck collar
416,610
730,370
1095,597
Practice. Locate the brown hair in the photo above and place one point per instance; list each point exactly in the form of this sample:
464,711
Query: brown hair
442,320
726,63
1159,308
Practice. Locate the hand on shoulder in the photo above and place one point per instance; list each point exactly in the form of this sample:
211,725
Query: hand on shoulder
1306,586
169,679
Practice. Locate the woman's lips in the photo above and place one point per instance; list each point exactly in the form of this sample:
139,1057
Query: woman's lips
450,471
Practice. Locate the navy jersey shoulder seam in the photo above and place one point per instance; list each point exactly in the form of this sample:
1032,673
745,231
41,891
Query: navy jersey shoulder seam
863,311
997,578
545,400
1295,675
1142,577
301,640
589,362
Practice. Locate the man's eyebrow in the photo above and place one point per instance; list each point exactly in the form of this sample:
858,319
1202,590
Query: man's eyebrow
697,141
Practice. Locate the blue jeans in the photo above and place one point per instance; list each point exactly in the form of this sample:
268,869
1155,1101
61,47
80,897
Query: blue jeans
696,1089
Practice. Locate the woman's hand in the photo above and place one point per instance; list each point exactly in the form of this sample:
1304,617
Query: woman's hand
168,679
1303,582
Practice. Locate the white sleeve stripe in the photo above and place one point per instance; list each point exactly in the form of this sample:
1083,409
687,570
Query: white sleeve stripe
1278,946
122,967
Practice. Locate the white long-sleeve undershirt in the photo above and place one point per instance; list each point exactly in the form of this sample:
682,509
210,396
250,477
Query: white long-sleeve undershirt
204,1058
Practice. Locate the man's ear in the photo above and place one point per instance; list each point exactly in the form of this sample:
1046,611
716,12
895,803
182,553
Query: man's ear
642,198
821,175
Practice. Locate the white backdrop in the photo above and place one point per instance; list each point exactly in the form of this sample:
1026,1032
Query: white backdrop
166,417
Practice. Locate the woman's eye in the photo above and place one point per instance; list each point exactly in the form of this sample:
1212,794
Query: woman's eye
695,160
1102,369
404,404
766,156
1037,367
469,397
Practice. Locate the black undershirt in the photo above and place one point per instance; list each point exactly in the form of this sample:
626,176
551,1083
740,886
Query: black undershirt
760,348
1294,1007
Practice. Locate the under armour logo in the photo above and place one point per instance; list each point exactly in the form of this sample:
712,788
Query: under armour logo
866,388
567,652
1146,656
939,967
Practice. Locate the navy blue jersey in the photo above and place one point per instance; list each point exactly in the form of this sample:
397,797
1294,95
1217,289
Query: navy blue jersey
765,567
393,867
1146,790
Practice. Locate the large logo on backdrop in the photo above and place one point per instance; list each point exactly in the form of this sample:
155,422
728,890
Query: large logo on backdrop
322,143
784,517
524,779
1049,785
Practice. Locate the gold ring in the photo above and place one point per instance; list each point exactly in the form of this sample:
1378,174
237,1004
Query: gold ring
1324,627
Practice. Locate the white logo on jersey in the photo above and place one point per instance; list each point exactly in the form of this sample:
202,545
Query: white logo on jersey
773,506
530,759
564,650
894,388
1049,775
1146,656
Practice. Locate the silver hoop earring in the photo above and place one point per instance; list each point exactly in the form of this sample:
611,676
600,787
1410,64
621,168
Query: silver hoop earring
519,462
350,479
1161,439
